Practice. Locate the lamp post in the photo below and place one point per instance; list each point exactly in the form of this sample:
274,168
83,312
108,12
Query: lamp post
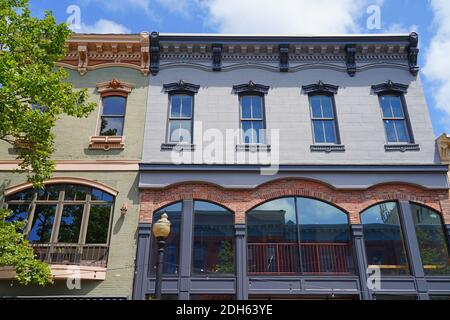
161,230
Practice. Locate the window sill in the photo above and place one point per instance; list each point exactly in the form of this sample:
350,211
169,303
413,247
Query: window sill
177,147
63,272
107,143
253,148
401,147
328,148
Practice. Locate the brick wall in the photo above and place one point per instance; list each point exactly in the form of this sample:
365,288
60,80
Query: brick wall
241,201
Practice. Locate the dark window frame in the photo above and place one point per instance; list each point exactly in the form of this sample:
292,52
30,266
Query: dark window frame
180,93
106,96
334,119
252,94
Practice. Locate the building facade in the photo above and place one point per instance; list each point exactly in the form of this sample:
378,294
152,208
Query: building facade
291,168
84,222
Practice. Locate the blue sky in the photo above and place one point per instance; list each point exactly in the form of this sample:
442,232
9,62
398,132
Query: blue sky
430,18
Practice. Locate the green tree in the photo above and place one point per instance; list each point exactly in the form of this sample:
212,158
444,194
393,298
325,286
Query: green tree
33,91
15,251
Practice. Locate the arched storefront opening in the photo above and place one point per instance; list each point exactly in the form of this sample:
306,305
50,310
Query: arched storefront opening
296,235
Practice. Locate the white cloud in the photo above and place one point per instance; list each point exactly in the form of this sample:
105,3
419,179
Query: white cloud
400,28
103,26
437,65
284,16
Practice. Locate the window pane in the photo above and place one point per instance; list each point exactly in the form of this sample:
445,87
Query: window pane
213,251
258,127
272,238
26,195
383,239
19,212
327,107
50,192
316,108
176,107
257,108
98,195
69,229
114,106
248,134
330,134
386,107
186,111
42,225
325,242
98,225
397,108
319,134
402,131
111,126
75,193
246,112
390,131
432,240
180,131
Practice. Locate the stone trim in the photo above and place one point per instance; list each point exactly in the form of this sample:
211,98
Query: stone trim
63,272
177,147
114,87
181,86
253,148
107,143
390,86
320,87
401,147
87,52
81,165
251,87
64,180
327,148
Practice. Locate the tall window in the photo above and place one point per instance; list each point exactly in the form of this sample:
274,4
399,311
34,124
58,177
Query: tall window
323,119
432,240
394,118
298,235
113,116
180,118
171,252
213,251
385,246
252,119
62,217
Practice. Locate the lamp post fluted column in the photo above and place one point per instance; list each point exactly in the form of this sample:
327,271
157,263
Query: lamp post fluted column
161,230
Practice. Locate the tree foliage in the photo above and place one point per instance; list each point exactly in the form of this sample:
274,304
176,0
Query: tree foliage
15,251
33,91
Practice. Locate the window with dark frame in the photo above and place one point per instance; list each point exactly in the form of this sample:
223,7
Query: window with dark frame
394,119
180,118
252,118
113,115
323,117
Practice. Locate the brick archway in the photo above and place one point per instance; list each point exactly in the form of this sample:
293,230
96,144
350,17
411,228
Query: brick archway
241,201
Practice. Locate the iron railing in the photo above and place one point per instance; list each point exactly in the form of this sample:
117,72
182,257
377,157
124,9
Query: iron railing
72,254
316,258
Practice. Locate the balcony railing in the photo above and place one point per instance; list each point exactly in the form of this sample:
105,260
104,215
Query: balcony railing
72,254
316,258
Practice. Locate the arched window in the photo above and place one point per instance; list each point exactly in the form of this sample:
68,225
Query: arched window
432,240
213,250
66,223
298,235
385,246
171,251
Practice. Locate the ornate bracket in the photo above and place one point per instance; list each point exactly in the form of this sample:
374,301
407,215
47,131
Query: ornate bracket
251,87
83,59
320,87
181,86
350,59
154,53
413,53
217,57
284,57
390,86
145,53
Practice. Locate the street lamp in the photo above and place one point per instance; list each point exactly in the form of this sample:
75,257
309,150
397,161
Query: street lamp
161,230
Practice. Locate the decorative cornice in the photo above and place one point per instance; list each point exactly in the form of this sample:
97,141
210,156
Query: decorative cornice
114,86
181,86
250,87
154,53
284,57
390,86
217,57
87,52
320,87
350,59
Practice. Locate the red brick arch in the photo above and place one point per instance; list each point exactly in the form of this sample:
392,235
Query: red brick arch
240,201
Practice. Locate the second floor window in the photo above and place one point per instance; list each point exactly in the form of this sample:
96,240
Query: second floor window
113,116
323,119
252,119
180,118
395,124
